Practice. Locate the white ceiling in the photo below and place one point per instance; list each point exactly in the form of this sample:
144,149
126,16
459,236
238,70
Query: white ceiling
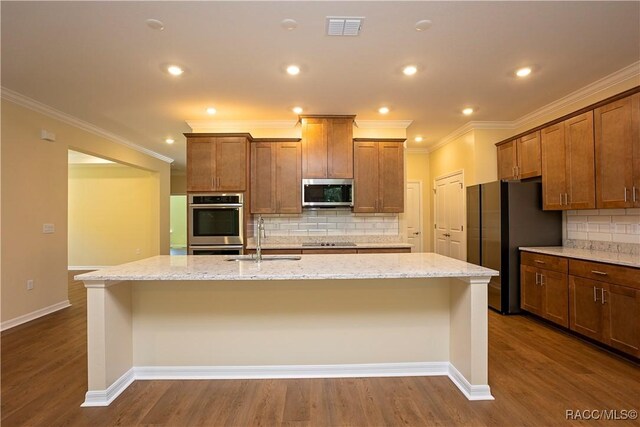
99,62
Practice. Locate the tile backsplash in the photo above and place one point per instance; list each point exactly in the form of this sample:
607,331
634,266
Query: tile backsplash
603,225
338,222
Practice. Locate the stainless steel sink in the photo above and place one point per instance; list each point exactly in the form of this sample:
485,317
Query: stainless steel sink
264,258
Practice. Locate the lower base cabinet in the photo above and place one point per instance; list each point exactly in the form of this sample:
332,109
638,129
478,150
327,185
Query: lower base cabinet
599,301
606,312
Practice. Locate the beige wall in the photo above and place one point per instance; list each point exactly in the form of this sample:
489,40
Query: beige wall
178,184
418,170
112,214
34,192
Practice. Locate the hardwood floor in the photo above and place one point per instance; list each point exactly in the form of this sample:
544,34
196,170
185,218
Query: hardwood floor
536,373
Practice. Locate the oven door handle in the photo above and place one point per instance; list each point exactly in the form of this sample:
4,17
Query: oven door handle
229,206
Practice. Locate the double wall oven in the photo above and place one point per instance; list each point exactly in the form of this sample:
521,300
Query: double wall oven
215,224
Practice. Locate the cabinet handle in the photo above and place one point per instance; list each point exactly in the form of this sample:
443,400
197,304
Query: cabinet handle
517,171
538,261
595,294
625,194
541,279
561,202
603,300
599,273
537,282
634,193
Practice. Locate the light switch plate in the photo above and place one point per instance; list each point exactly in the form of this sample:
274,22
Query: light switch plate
48,228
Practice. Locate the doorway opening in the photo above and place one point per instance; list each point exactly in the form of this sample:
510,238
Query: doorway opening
178,224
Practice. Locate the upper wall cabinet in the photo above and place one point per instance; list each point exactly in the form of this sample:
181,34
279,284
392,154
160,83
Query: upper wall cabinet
617,153
379,176
568,175
327,146
520,158
276,177
217,163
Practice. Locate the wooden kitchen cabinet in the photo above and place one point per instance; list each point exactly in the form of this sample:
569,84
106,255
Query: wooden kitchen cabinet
617,153
605,304
520,158
217,163
384,250
544,291
568,175
327,147
378,176
276,177
329,251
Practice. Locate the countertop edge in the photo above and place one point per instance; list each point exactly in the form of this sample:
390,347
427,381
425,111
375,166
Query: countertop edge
585,255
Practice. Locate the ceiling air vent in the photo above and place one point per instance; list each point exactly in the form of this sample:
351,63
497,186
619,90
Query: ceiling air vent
344,25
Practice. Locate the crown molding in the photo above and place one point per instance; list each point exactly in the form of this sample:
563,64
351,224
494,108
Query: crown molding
591,89
39,107
383,124
413,150
244,125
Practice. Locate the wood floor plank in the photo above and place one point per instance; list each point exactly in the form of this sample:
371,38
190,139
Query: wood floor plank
536,373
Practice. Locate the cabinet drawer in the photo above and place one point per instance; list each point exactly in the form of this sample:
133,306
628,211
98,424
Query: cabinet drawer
384,250
328,251
275,251
546,262
609,273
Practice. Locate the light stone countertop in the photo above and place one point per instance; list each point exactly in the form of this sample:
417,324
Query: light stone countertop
310,267
629,260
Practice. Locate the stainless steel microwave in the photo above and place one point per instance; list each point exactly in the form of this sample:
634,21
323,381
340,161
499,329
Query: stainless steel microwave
327,193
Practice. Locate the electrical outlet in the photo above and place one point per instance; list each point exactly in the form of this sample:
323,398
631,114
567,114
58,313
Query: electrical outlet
29,284
48,228
138,251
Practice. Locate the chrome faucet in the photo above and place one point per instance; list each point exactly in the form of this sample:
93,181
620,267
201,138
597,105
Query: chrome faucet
261,232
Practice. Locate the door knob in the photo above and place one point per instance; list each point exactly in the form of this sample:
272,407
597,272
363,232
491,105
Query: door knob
416,233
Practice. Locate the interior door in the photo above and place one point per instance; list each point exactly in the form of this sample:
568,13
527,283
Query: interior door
414,215
450,239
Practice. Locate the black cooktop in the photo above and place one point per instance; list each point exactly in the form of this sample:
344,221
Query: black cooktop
328,244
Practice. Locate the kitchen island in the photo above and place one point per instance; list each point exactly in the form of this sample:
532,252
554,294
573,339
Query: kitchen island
203,317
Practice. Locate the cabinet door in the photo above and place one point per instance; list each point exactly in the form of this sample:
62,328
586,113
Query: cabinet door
329,251
263,178
528,150
613,149
365,168
585,307
530,290
507,160
635,131
340,148
288,187
391,177
231,164
580,152
200,159
622,318
314,148
556,296
553,167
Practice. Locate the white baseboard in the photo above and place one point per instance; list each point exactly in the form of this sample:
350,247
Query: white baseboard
86,267
409,369
105,397
8,324
472,392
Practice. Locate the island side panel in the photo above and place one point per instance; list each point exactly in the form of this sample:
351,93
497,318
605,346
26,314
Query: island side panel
469,334
109,333
293,322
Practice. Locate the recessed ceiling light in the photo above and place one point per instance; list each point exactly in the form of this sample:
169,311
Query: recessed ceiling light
410,70
293,70
423,24
211,111
297,110
467,111
154,24
175,70
383,110
418,139
523,72
169,141
289,24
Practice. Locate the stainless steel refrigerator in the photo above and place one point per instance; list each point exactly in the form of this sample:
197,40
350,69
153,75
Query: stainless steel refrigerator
502,216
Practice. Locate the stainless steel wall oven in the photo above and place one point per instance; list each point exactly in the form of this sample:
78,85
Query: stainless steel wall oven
215,223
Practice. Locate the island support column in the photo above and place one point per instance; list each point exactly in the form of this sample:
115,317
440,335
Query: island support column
469,334
109,341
